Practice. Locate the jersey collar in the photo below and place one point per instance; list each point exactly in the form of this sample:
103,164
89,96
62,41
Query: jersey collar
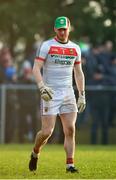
60,41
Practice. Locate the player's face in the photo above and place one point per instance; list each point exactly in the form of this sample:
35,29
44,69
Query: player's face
62,34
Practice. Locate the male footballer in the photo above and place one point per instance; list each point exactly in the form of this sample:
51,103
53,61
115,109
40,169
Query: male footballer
58,57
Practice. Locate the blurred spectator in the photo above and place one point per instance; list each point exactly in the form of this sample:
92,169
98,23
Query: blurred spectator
109,58
98,99
112,105
10,72
9,76
84,44
7,68
28,100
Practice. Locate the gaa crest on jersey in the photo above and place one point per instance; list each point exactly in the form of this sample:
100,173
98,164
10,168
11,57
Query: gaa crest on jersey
46,109
71,51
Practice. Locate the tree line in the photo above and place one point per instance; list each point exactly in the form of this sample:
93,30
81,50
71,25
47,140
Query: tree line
25,18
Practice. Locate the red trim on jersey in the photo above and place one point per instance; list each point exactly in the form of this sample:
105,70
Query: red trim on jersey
62,51
77,62
39,59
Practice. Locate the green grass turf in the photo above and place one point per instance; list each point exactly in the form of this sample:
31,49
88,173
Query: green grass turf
94,162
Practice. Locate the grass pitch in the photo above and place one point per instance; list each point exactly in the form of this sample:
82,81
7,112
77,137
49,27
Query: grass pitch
94,162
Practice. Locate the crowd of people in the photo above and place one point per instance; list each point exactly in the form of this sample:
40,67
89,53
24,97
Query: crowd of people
99,66
21,105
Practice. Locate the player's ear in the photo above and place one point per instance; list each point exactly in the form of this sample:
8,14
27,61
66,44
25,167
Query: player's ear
55,30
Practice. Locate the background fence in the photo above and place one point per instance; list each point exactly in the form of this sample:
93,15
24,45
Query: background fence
20,115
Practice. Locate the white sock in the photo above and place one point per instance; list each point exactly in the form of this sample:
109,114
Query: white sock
69,165
34,154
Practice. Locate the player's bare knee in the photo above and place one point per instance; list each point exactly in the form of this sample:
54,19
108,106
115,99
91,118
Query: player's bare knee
70,131
47,132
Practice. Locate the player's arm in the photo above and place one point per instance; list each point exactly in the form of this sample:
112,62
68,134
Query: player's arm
80,83
37,70
79,78
46,92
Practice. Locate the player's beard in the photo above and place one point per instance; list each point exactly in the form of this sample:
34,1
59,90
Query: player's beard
62,38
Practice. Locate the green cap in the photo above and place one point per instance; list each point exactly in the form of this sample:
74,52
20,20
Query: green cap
62,22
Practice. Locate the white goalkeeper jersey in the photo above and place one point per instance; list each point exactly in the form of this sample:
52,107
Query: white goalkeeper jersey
59,60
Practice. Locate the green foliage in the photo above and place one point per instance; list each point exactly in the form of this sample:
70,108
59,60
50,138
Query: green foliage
94,162
26,18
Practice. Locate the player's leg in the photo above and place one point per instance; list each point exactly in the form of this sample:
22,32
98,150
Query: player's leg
48,123
68,121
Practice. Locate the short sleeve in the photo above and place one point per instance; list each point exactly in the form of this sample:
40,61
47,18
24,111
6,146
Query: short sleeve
78,59
42,52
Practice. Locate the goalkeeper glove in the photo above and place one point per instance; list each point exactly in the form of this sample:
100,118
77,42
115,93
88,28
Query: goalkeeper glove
81,104
46,92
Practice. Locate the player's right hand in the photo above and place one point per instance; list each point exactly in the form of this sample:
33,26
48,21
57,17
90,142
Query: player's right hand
46,92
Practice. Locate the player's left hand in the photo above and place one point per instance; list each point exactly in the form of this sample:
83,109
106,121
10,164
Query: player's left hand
81,104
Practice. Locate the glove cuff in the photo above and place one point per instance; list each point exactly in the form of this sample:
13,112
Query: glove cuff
81,93
40,84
